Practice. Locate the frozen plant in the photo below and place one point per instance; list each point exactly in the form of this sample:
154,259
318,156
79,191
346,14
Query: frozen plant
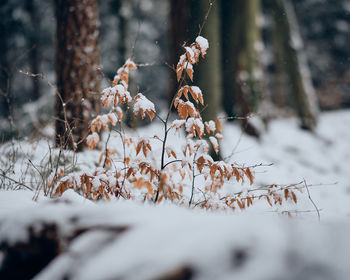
139,175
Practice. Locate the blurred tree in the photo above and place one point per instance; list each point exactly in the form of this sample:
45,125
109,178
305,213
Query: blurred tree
241,46
33,46
178,35
117,6
289,55
8,27
77,73
208,72
326,32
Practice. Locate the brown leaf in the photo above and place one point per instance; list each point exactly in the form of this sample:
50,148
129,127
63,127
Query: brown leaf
237,174
138,147
189,72
294,197
249,175
218,126
268,200
151,114
201,163
286,194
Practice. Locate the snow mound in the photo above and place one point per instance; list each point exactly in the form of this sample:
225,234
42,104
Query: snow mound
126,240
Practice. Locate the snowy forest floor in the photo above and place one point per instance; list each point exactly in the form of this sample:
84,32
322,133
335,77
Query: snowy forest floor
128,240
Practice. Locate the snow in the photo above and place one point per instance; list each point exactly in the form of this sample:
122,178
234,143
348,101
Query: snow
203,44
93,139
177,124
190,53
143,104
191,123
161,239
197,91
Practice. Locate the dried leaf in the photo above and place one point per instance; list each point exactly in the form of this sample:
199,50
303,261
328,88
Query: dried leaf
218,126
268,200
294,197
249,175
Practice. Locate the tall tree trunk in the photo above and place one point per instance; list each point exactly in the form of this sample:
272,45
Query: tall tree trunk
207,74
34,46
295,64
117,7
178,34
231,22
243,87
77,62
4,66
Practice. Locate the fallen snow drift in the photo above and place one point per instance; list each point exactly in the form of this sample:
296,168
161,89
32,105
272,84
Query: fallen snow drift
73,238
126,240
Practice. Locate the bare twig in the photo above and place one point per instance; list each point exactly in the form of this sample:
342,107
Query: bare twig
313,203
14,181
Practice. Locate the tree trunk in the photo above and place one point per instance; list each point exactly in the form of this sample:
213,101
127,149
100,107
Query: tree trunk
231,22
207,73
178,34
34,46
4,66
295,64
77,74
243,87
117,7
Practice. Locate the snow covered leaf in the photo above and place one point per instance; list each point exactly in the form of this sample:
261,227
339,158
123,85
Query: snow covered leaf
196,94
195,126
103,121
201,162
177,124
218,126
112,118
143,105
141,183
190,55
130,64
180,66
122,94
92,140
203,45
183,91
123,73
189,71
210,127
170,152
186,109
215,143
196,51
219,136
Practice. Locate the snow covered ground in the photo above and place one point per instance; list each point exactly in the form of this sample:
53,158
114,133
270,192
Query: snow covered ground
129,240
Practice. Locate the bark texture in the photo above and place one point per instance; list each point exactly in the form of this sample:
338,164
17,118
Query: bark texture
77,74
242,71
294,62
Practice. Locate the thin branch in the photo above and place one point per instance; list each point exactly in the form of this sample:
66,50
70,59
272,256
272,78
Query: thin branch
14,181
173,161
211,2
313,203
